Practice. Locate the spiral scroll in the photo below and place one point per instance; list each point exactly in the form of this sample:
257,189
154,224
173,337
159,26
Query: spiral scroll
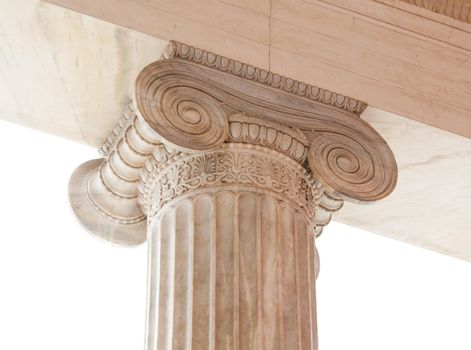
182,114
356,168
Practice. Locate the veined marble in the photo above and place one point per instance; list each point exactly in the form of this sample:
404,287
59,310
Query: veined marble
431,205
66,73
72,75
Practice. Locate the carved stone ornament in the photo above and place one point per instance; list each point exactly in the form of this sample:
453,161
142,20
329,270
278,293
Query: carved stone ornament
345,153
230,172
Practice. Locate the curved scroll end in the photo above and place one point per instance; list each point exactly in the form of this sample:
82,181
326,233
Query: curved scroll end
354,166
178,110
116,220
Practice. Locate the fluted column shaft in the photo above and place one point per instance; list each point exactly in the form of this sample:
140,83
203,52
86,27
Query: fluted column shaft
232,255
231,270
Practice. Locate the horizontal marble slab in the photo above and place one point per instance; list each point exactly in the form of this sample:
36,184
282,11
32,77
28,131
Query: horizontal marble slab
71,75
431,205
410,62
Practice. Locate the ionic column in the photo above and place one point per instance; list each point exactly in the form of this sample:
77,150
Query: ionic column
232,172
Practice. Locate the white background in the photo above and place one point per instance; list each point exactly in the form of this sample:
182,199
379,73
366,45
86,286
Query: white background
62,289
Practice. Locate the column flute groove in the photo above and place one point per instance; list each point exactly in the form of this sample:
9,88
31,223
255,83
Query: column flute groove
298,303
260,271
236,288
280,278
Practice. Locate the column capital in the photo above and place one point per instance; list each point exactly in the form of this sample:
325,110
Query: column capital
190,96
195,101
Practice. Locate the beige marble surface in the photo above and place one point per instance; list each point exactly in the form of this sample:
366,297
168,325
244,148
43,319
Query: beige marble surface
431,206
65,73
72,75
